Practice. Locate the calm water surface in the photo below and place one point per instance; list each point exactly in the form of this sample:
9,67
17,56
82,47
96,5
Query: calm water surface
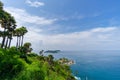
94,65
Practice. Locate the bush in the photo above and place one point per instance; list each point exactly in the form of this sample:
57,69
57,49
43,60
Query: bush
31,75
10,67
31,67
32,55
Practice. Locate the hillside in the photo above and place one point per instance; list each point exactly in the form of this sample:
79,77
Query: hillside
15,65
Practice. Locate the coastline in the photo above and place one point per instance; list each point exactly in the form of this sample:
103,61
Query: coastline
66,61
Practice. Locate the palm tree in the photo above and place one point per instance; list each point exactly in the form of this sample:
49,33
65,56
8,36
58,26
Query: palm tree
24,31
6,34
11,28
7,22
17,34
10,38
3,21
11,25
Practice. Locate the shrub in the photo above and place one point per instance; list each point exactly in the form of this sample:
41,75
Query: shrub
10,67
32,55
31,75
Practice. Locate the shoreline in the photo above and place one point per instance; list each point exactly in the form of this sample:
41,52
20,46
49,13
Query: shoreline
66,61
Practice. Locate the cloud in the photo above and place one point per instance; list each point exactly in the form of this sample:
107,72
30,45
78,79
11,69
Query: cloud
97,39
66,18
103,29
78,16
22,16
35,3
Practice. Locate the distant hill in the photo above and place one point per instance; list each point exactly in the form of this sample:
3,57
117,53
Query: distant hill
52,51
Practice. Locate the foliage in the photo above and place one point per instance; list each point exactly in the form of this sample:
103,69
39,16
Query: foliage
10,65
32,55
34,67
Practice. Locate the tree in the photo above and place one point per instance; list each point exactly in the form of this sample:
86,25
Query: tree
7,34
7,22
41,52
26,48
3,21
50,59
19,33
23,32
10,28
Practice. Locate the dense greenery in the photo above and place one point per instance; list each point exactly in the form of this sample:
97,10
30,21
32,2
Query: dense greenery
13,66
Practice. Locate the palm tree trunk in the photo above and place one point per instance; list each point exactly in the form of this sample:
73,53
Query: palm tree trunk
6,43
17,43
22,41
9,43
4,37
3,42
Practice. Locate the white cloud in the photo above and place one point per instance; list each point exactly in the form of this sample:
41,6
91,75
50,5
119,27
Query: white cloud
35,3
103,29
97,38
22,16
65,18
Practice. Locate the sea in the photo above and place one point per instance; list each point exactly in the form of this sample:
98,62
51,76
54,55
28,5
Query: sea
93,64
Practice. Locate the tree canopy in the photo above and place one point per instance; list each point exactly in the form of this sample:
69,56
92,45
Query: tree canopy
8,23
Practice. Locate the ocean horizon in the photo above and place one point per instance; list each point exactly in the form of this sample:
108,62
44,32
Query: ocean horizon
94,64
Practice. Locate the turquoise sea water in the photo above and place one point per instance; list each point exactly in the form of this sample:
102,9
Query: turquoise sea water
94,65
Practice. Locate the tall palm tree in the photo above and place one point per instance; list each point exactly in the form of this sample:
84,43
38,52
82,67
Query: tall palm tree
10,38
24,31
3,20
11,28
7,22
6,34
11,25
17,33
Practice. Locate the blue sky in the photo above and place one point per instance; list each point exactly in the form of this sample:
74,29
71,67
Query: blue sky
68,24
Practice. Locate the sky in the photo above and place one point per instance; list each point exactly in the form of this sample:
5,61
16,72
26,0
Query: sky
68,24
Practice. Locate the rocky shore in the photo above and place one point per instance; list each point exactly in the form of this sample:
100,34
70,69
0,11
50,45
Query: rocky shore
66,61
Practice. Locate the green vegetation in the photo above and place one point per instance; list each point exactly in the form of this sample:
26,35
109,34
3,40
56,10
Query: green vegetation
14,66
19,63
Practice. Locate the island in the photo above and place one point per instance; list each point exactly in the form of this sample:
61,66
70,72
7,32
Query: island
52,51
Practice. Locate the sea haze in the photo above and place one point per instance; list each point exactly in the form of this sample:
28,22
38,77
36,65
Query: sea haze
94,64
